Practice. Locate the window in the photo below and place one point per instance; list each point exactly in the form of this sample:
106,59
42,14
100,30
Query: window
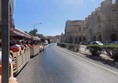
114,13
90,30
83,28
114,28
114,37
79,28
100,38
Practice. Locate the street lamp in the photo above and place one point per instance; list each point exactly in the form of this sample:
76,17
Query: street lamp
37,24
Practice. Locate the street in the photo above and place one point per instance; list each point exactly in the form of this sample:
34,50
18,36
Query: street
56,65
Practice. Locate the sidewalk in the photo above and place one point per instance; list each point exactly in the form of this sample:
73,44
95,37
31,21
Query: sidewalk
104,58
83,49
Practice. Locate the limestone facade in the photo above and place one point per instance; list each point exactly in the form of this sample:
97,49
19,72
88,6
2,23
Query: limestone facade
75,31
102,24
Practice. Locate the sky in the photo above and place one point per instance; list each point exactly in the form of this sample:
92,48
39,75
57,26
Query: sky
50,16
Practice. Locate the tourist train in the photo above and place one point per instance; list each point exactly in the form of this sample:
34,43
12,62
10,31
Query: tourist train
22,48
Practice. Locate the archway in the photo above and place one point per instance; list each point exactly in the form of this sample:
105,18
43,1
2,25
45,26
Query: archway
114,37
100,38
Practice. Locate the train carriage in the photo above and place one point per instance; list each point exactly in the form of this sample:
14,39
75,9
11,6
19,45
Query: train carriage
20,55
29,46
22,48
35,46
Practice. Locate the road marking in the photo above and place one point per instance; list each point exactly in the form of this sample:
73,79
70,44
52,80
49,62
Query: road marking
93,63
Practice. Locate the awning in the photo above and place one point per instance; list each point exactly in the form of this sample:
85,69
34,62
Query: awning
15,31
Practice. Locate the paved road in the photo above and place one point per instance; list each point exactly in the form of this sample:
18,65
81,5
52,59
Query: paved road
56,65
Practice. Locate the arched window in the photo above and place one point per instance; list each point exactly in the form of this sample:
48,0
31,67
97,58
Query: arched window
94,38
79,28
70,40
84,38
80,39
114,28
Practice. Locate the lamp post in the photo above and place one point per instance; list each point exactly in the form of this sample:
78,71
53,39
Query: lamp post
36,24
5,40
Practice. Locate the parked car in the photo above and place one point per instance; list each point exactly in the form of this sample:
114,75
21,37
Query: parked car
107,42
83,43
115,42
96,42
111,42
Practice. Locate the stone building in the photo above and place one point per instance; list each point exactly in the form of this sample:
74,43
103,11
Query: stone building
56,39
75,31
102,24
114,22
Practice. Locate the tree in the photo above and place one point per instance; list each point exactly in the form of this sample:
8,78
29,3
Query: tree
25,31
40,35
33,32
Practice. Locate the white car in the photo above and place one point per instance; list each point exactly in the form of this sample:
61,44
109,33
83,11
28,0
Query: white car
96,42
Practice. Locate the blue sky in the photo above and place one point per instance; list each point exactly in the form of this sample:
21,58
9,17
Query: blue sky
51,13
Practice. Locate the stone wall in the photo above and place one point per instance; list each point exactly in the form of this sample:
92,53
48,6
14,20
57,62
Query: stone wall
102,24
